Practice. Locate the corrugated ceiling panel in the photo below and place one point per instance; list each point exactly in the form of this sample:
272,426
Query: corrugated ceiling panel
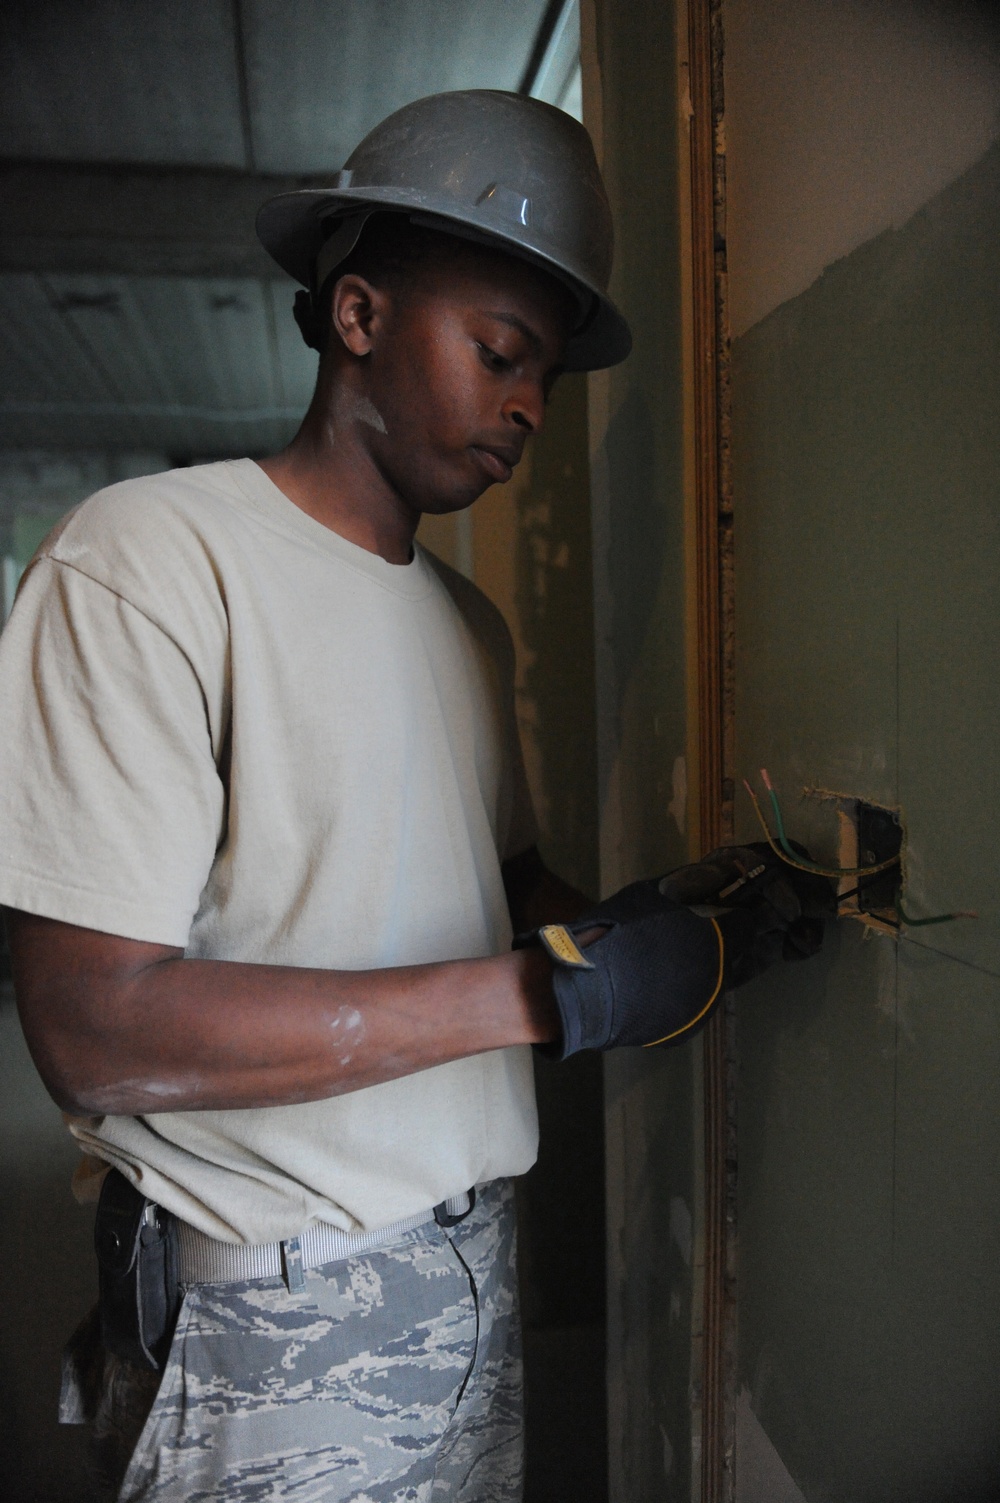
189,365
321,74
120,80
40,360
106,319
214,335
179,438
228,357
159,80
184,365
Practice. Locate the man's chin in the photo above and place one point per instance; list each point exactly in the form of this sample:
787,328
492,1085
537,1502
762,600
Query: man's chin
449,505
443,494
446,511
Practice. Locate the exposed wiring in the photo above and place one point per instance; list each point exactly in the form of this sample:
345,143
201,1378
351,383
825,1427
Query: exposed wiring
939,918
790,857
767,832
844,871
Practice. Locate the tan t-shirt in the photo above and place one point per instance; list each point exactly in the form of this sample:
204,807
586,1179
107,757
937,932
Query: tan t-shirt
223,726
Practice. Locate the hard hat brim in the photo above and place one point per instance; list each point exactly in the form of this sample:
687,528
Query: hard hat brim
292,228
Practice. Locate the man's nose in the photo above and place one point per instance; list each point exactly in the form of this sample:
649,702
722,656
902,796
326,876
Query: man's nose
526,407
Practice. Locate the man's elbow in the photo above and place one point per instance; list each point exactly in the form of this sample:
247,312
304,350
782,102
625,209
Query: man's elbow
76,1069
80,996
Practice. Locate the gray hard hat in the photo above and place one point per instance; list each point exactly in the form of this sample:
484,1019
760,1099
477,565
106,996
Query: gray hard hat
486,166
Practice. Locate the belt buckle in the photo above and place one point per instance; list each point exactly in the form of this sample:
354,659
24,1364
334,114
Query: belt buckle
446,1219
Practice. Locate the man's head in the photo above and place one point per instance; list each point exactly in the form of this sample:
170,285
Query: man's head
444,351
481,270
488,166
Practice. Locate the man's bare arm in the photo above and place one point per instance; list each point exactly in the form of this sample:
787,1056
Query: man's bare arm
118,1026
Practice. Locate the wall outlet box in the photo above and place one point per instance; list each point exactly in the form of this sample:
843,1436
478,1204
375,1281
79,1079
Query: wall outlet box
869,835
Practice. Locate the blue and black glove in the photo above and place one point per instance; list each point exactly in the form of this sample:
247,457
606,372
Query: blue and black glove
672,945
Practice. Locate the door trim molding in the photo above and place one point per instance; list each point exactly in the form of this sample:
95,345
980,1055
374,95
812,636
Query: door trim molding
713,589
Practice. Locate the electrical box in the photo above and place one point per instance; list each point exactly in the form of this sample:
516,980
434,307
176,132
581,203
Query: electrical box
870,834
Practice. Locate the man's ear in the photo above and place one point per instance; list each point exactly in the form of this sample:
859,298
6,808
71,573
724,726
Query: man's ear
356,309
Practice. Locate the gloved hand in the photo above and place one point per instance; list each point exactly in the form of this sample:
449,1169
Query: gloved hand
783,909
673,944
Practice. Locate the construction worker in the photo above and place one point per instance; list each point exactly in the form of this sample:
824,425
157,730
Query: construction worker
266,840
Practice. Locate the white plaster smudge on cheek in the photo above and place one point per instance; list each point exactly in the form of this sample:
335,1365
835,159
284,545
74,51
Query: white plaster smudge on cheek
678,804
761,1475
680,1227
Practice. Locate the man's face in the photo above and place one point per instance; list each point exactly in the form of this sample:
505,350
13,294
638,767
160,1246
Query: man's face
459,373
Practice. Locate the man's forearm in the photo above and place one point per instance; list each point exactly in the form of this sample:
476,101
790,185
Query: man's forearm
120,1027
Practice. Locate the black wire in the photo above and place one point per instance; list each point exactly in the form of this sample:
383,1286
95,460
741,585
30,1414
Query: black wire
878,917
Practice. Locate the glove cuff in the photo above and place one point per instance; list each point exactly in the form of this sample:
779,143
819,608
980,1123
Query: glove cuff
575,979
605,1002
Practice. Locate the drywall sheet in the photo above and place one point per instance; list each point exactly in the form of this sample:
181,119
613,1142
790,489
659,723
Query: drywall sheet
867,493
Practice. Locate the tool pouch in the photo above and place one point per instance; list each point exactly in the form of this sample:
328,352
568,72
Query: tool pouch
136,1245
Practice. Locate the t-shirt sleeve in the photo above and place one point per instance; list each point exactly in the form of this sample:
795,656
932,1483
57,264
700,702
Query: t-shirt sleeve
111,801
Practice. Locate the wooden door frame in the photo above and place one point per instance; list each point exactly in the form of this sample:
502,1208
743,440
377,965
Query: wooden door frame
713,622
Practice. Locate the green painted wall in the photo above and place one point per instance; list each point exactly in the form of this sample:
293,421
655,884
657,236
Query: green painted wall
867,492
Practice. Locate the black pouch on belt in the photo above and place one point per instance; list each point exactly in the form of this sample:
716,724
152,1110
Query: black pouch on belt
136,1244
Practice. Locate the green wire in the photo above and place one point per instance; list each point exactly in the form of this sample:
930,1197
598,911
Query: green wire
780,824
939,918
844,871
857,871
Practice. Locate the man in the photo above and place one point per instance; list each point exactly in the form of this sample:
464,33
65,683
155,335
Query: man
266,828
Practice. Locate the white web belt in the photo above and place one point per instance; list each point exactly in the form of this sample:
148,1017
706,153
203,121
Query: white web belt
205,1260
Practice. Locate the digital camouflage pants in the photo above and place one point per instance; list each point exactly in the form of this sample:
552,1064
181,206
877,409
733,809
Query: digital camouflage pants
393,1376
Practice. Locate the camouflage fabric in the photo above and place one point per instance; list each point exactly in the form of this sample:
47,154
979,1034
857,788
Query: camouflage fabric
395,1375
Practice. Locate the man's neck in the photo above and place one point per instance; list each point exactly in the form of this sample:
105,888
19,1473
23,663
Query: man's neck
328,471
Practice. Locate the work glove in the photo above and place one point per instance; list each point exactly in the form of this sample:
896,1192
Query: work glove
673,944
783,908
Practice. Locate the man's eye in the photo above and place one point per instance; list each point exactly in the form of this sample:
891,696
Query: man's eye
495,361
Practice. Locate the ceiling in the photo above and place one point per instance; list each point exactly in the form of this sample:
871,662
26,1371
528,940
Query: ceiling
138,311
